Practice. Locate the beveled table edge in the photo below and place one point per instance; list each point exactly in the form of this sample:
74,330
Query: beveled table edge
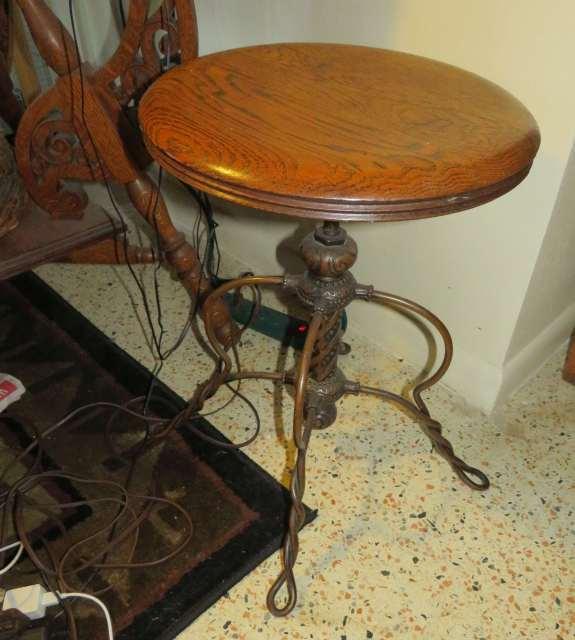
338,210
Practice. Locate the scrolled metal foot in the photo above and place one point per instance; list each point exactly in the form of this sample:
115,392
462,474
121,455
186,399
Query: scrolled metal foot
302,427
472,477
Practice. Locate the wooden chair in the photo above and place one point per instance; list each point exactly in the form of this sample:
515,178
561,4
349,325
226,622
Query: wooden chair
28,236
78,131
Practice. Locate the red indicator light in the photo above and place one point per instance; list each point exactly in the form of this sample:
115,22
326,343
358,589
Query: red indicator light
302,328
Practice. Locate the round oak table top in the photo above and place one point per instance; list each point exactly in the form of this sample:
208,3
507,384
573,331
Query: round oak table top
338,132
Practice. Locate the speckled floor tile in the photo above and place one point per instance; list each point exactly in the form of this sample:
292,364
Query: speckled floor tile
400,549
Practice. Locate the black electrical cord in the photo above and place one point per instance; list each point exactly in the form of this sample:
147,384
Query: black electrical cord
122,13
212,248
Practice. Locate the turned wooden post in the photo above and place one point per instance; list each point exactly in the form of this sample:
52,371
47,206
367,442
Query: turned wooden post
51,37
180,254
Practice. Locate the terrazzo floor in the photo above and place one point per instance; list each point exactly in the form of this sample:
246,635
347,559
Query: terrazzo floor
400,549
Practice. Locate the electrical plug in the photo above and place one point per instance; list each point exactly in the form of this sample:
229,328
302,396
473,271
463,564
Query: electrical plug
32,601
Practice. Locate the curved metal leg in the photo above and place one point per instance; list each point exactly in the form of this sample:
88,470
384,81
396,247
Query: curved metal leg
302,427
326,289
432,428
224,364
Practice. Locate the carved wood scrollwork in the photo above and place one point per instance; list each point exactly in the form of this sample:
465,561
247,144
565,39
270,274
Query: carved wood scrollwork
159,44
149,43
76,130
49,152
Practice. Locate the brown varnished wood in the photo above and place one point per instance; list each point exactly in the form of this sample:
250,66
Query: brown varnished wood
51,37
77,130
40,238
22,59
338,132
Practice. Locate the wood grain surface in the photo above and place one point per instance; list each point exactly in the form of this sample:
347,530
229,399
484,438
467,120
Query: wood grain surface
338,132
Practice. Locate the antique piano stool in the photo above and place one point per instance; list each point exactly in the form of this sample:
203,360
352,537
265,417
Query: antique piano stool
335,133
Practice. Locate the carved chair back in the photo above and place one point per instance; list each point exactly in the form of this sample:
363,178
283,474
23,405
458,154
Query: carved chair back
77,130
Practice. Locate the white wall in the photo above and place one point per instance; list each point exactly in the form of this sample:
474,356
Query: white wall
95,26
546,317
473,269
554,274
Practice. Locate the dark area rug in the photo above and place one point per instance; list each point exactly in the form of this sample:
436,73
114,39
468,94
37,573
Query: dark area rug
239,512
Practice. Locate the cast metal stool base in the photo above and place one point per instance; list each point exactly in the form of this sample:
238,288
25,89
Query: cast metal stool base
327,288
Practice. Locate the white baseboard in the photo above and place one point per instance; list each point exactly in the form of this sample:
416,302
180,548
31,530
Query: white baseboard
525,364
477,381
486,386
